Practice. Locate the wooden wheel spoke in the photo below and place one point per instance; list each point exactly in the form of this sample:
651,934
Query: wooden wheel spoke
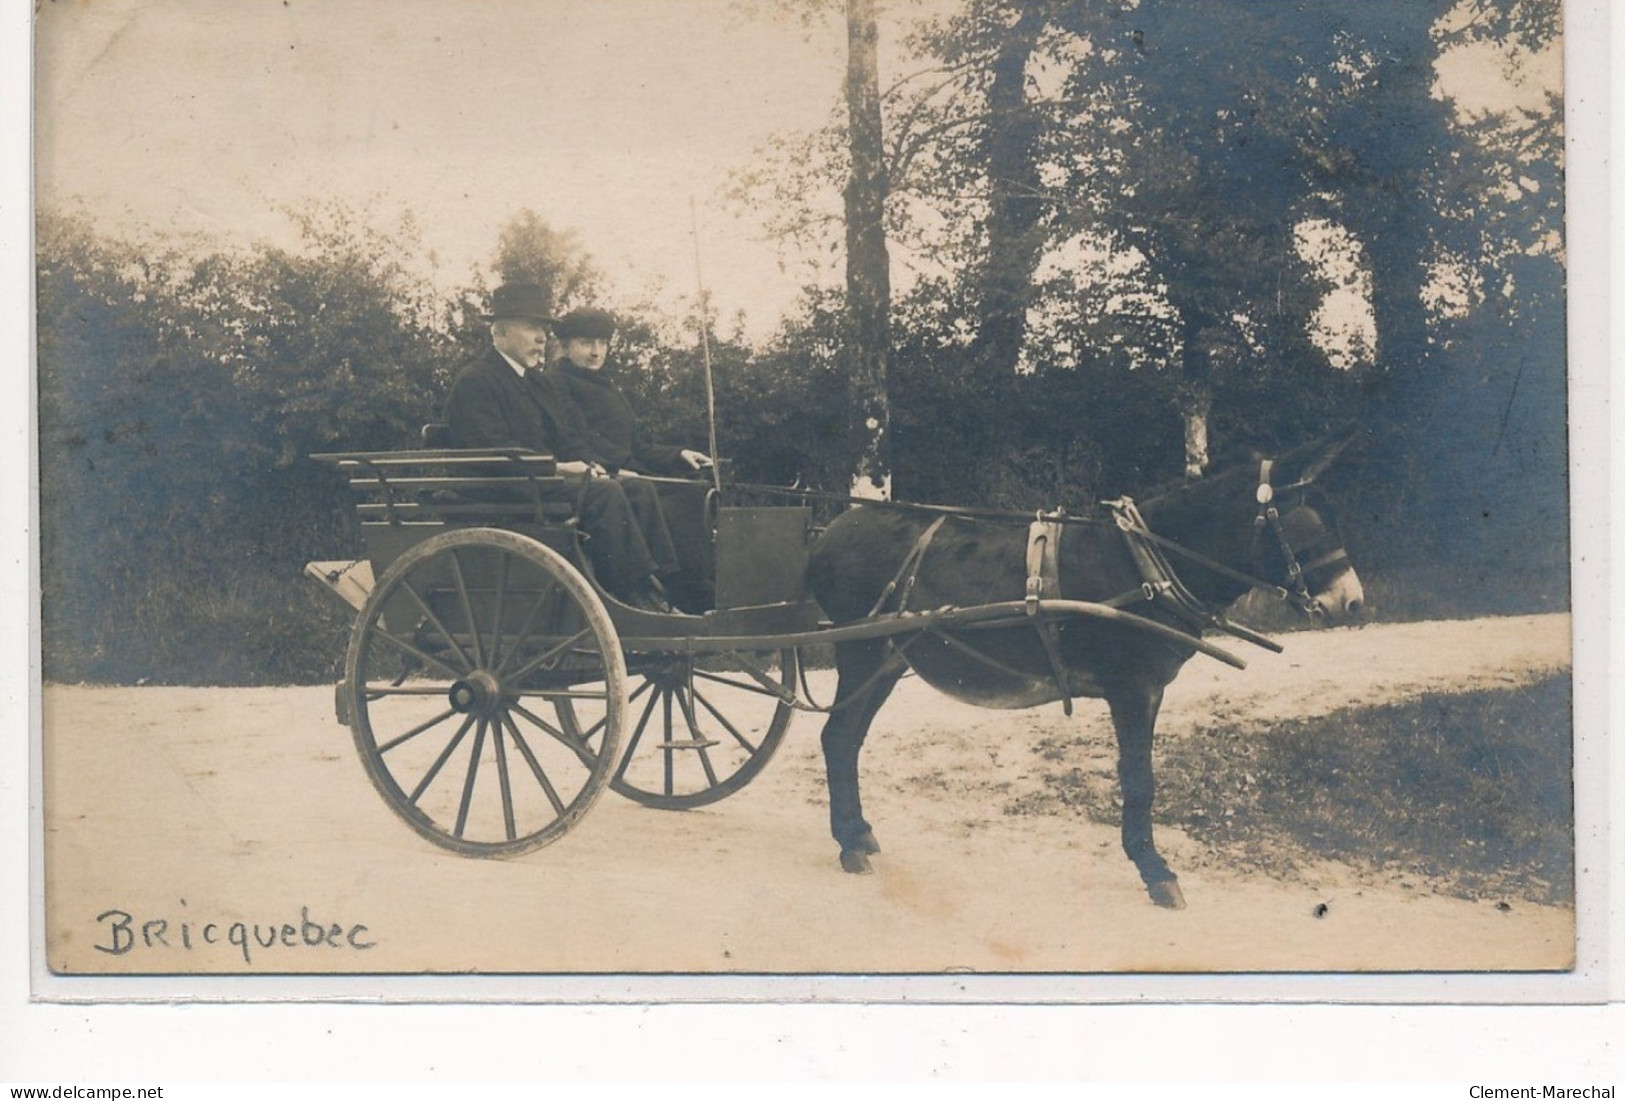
535,765
375,630
764,684
496,614
568,717
502,780
543,658
428,612
415,731
582,751
694,732
670,766
522,636
726,725
468,781
637,731
592,732
378,692
468,609
440,761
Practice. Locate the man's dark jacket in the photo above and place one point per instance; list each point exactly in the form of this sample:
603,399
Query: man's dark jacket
491,406
609,428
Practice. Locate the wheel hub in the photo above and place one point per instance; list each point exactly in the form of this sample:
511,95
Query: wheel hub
479,693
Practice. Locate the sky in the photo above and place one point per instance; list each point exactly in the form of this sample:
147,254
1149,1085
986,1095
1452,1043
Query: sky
606,117
617,119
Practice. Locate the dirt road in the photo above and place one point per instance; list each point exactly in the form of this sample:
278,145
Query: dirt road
241,820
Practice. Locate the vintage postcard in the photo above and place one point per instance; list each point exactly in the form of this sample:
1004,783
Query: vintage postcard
605,499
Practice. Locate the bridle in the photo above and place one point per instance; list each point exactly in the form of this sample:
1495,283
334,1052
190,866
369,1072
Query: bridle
1163,586
1269,516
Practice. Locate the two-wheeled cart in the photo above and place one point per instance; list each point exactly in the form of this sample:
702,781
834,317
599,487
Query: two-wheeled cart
494,688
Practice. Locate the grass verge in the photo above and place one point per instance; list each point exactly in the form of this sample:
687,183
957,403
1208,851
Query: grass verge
1470,791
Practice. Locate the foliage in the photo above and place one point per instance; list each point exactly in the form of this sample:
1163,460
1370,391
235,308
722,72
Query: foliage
529,250
1108,221
1272,207
179,400
780,407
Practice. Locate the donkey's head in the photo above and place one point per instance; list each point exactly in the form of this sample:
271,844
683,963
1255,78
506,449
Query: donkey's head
1264,522
1296,543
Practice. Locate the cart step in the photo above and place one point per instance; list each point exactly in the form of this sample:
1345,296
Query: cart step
350,581
691,743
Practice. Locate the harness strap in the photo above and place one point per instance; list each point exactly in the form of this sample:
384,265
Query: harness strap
1162,585
1043,559
967,512
1044,579
1131,524
908,570
1338,555
1270,516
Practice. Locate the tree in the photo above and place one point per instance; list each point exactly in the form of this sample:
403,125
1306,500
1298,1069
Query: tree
1469,486
529,250
1177,187
868,264
181,393
994,44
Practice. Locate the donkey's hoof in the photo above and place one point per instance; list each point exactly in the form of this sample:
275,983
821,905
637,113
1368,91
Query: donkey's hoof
865,843
855,862
1166,893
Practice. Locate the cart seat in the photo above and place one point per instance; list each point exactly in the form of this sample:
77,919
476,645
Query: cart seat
492,486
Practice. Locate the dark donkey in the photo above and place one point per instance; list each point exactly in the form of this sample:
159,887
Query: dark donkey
1200,547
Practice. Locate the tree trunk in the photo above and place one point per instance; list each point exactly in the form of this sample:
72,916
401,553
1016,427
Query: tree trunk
1195,395
868,267
1195,403
1015,233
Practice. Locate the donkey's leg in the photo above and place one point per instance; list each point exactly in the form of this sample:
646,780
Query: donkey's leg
863,686
1134,714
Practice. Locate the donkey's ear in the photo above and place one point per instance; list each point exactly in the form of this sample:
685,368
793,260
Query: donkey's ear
1320,454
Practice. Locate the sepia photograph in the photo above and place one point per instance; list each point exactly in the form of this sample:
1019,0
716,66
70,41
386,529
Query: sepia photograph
989,500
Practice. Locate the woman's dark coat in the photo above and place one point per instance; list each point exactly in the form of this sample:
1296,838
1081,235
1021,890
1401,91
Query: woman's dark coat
608,425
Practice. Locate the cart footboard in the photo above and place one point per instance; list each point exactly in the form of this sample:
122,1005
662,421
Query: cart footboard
350,581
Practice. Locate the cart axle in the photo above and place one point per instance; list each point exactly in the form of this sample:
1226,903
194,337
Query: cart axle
479,694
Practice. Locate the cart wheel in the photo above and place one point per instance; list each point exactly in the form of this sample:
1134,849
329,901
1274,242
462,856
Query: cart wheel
702,725
466,648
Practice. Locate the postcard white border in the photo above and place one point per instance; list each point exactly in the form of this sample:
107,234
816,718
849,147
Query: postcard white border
134,1036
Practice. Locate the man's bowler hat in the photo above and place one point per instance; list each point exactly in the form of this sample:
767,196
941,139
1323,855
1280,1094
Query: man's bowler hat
588,323
527,300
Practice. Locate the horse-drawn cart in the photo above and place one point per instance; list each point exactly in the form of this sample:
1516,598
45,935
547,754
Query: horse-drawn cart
494,688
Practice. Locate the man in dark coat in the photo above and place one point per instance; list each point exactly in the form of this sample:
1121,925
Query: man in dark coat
611,434
502,398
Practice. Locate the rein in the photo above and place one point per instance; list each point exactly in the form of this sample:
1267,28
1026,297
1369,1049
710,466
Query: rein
1161,585
966,511
1161,581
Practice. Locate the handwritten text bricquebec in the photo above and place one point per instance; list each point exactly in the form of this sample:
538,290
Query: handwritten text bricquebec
125,934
